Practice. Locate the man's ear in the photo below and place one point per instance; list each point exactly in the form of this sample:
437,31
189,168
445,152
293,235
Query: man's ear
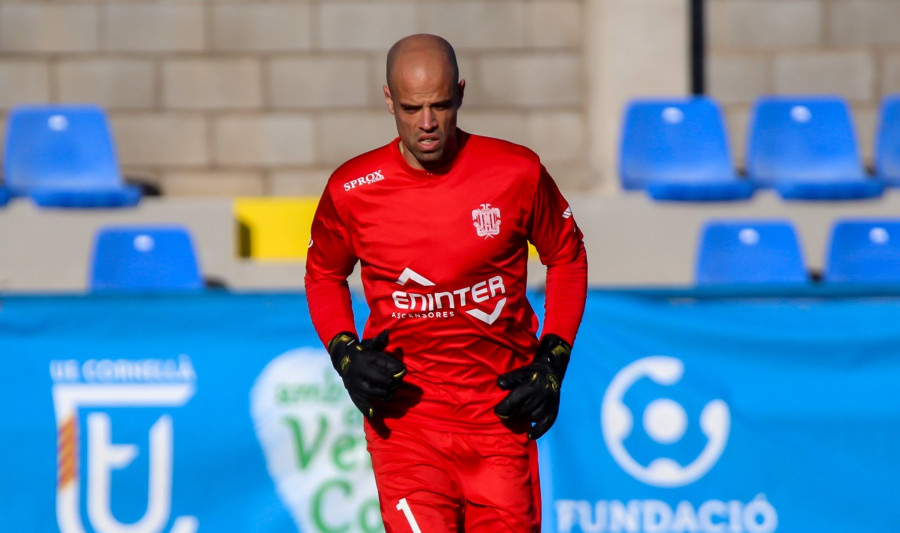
387,98
461,88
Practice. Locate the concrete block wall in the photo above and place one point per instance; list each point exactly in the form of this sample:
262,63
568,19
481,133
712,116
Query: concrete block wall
229,97
845,47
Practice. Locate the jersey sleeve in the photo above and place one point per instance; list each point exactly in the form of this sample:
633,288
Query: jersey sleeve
330,259
560,245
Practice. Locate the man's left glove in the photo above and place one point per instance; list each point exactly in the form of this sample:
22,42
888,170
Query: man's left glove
534,388
367,371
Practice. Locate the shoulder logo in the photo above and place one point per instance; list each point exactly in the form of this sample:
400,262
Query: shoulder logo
486,221
368,179
568,212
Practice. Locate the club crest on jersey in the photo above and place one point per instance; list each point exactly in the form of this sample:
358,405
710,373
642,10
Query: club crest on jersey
486,221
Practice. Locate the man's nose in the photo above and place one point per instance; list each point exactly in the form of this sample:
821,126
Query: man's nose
429,121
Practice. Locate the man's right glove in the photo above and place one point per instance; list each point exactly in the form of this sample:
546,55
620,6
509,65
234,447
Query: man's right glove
367,371
534,388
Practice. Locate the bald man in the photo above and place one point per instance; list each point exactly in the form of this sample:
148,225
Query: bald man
452,379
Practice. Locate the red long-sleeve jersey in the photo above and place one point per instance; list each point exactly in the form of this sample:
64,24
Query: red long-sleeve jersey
443,265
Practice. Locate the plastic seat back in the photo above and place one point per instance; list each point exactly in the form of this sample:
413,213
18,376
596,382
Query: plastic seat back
732,252
64,156
887,142
144,258
864,251
677,149
806,148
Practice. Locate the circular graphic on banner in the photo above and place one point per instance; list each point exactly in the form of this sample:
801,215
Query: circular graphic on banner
313,441
665,421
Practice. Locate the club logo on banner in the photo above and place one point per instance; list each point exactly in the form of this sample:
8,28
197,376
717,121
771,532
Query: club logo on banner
87,397
665,422
313,441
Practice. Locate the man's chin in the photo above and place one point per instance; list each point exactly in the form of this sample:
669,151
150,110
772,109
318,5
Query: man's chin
430,156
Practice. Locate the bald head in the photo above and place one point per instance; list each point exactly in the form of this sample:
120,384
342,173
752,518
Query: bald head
420,51
424,93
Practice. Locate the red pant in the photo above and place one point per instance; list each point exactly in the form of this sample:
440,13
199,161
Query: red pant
437,482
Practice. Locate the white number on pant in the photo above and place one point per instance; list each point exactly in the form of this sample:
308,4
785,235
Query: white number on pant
403,505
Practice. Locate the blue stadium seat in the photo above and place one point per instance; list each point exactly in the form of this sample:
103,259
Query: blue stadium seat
677,149
64,156
144,258
4,196
864,251
805,147
887,142
732,252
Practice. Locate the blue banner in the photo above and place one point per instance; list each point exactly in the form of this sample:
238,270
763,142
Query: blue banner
214,412
220,412
684,414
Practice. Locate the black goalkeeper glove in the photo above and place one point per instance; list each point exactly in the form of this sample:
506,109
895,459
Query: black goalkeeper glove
534,388
367,371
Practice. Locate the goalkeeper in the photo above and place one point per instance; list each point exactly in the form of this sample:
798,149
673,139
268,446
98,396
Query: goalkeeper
451,377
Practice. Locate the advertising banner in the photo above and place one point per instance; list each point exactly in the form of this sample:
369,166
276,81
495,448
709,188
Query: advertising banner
728,416
176,414
221,412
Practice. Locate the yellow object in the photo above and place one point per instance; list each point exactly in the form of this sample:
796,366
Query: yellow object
274,228
277,228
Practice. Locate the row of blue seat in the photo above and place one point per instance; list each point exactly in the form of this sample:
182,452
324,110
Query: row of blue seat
675,149
729,252
144,258
804,147
63,156
770,252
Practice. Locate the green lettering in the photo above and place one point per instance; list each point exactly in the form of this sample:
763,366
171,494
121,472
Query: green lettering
330,391
370,517
353,419
282,396
342,445
317,506
334,388
304,453
306,392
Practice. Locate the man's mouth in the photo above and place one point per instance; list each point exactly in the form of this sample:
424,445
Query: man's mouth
427,143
